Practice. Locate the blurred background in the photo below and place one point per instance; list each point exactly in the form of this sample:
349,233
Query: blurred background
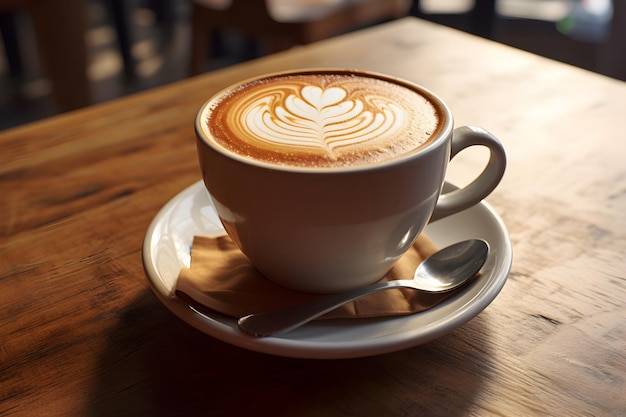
133,45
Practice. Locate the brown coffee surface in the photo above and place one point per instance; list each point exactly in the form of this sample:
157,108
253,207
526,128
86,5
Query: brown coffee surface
322,120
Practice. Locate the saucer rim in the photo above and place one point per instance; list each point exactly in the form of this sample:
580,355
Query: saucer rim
299,343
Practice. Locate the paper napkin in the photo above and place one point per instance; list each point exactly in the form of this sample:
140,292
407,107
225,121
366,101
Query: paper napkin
222,279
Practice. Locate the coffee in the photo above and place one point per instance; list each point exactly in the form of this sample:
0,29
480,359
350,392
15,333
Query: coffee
324,178
322,119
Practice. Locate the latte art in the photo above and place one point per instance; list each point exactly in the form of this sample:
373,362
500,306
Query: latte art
317,118
322,120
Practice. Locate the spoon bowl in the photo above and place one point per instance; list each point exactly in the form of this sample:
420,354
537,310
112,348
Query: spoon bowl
443,271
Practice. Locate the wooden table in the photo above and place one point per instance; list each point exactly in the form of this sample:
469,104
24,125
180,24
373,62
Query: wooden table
81,333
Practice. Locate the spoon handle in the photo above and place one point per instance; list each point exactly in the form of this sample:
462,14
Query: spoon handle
280,321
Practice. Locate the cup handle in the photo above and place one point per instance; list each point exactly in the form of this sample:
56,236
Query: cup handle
463,198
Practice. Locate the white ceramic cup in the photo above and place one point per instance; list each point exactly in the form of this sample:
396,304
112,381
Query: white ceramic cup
331,230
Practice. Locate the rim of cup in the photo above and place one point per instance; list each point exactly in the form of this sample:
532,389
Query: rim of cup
443,131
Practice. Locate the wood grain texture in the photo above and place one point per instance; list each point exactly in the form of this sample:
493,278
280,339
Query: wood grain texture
82,334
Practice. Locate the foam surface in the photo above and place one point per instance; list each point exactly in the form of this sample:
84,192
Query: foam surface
322,120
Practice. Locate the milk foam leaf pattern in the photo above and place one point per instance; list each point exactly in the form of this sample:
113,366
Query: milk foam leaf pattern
323,118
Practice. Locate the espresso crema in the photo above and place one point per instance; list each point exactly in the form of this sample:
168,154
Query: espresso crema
325,119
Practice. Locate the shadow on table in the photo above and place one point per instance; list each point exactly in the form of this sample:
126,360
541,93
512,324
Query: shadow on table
157,365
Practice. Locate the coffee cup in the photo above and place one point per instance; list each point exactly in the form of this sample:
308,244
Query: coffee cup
324,178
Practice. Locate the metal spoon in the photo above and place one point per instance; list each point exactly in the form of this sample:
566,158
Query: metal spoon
443,271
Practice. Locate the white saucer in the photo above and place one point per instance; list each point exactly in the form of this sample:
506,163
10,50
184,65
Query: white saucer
167,249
